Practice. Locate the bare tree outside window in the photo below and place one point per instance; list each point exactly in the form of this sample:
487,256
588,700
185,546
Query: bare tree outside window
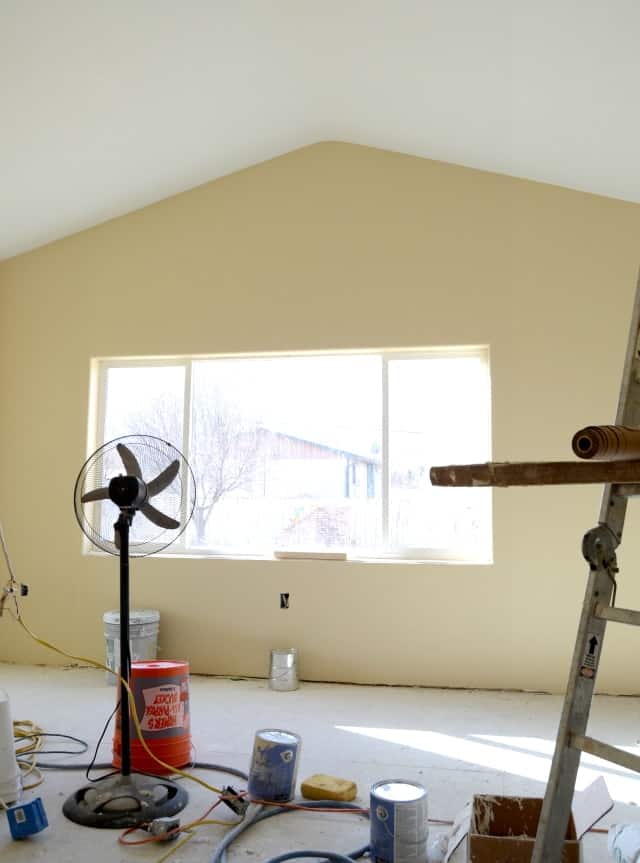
224,447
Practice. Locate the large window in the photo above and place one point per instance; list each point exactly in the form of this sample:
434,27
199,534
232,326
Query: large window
323,452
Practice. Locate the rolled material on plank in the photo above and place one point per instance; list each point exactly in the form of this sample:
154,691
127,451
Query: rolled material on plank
505,474
617,443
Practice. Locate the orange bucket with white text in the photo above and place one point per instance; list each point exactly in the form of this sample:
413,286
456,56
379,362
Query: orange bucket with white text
161,692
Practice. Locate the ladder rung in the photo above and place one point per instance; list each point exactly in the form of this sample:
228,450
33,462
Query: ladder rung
617,615
605,751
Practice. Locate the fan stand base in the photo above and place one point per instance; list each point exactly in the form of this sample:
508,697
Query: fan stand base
125,801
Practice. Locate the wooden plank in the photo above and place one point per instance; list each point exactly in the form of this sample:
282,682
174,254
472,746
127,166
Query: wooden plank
536,473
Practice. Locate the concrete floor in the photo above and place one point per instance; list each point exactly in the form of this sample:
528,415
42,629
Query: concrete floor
456,743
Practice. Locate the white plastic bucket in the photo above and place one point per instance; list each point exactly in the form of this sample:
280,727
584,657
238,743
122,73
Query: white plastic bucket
144,626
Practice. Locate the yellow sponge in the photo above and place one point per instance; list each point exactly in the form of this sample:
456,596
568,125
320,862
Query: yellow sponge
323,787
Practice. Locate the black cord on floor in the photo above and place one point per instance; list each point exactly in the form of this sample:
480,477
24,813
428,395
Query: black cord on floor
91,766
198,765
82,743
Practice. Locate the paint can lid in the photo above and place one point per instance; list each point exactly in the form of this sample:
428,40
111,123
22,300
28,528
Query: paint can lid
399,790
159,667
276,735
144,615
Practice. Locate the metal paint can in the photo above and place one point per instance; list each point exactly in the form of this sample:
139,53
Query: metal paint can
399,821
283,673
274,765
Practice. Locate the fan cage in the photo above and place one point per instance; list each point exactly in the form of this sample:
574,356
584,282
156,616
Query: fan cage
97,518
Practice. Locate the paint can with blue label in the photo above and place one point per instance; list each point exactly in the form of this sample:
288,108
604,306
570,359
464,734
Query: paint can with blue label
399,821
274,765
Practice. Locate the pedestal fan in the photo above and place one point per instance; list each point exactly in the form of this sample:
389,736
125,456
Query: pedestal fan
106,502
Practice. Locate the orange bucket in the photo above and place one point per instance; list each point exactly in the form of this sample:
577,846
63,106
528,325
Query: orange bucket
161,692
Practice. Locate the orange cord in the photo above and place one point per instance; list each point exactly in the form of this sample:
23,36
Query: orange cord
170,833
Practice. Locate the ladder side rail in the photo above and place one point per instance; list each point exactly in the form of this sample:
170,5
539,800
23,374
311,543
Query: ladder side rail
556,806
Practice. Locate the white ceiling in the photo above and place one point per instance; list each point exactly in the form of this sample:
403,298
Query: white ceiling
108,106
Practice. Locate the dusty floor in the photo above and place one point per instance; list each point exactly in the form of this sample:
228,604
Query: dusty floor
456,743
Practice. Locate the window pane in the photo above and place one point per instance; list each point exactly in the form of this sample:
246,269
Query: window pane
145,400
286,452
438,414
142,400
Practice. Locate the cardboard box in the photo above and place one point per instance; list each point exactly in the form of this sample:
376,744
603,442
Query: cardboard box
495,829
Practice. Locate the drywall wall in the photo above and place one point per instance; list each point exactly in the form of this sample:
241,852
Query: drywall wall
332,246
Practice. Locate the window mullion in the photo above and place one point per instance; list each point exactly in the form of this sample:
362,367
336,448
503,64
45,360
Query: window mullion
385,452
186,440
98,437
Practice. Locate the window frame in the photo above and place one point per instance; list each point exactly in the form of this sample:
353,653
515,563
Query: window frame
97,419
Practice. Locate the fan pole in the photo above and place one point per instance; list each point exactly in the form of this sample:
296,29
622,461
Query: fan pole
122,526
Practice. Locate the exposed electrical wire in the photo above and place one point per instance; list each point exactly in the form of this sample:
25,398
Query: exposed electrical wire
12,589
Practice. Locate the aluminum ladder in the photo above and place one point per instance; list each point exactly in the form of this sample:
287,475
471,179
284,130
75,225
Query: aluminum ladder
599,549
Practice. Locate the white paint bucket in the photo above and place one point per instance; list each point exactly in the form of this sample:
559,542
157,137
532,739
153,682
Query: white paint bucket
10,782
283,674
398,818
144,626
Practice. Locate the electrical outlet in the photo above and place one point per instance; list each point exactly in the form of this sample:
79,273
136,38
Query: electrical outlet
284,600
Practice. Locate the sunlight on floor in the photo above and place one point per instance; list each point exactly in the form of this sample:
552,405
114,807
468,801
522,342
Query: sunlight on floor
514,755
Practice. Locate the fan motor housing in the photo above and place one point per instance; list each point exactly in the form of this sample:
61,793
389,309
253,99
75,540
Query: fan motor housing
128,491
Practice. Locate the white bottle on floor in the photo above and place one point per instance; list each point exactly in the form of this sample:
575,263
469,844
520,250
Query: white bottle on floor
10,782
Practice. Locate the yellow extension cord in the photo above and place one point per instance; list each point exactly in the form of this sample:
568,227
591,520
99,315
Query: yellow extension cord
189,828
134,714
26,752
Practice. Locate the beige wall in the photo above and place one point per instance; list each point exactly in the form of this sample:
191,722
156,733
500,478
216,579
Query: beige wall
332,246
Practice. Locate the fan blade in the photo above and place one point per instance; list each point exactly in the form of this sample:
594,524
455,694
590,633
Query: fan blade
96,494
164,479
129,461
159,518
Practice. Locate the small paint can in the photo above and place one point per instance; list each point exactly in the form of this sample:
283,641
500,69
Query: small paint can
274,765
399,821
283,674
